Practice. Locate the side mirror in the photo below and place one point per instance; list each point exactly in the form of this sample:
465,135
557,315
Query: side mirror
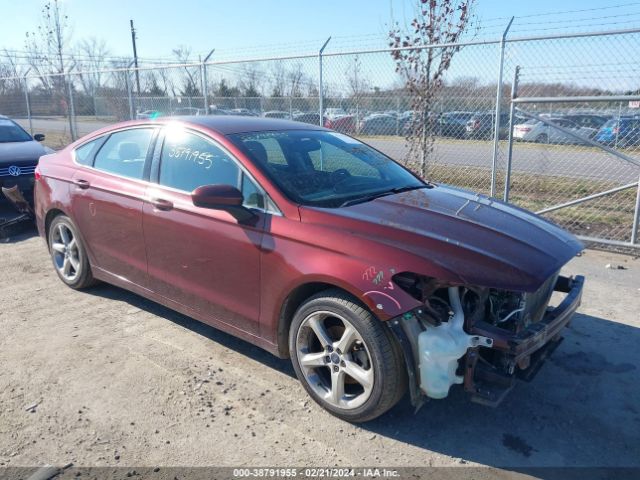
39,137
222,197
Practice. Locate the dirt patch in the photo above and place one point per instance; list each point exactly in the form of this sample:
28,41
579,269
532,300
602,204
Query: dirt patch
107,378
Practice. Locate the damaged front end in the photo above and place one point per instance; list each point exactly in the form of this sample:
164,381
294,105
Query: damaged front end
483,338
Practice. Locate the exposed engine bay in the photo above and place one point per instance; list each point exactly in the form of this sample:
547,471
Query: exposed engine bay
481,337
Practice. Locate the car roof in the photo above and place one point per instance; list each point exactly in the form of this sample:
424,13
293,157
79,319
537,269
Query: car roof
231,124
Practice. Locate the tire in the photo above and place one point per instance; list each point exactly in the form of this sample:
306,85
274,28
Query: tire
370,354
68,254
542,138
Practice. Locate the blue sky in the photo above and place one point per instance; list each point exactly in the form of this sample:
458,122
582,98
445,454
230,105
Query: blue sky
280,26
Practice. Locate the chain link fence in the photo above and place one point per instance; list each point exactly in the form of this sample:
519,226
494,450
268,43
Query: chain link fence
518,110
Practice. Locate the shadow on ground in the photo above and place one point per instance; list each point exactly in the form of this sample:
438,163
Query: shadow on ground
11,232
218,336
588,388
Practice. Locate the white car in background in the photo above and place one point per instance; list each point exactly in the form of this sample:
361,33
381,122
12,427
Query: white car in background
332,113
535,131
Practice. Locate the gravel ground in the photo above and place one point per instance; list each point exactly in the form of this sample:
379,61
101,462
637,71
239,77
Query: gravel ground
106,378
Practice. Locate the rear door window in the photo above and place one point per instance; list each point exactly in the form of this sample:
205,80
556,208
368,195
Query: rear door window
125,152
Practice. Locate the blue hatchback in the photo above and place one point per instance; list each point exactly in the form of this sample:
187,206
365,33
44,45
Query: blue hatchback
623,132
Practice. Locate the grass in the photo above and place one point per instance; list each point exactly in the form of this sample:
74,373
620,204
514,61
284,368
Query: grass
57,140
610,216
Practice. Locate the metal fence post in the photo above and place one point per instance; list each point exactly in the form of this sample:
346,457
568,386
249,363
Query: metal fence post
636,218
320,86
496,134
72,111
512,111
129,92
28,102
203,73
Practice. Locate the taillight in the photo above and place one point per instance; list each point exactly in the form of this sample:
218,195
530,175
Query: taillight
37,175
616,130
476,124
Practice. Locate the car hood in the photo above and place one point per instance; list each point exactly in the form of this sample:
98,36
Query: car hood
17,153
467,238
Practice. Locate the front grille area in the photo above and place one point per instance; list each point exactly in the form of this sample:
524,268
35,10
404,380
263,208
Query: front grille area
11,170
535,304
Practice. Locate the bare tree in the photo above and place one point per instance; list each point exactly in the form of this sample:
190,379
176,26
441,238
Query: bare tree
189,87
295,77
11,84
152,86
436,22
91,54
278,80
47,46
358,84
10,68
250,82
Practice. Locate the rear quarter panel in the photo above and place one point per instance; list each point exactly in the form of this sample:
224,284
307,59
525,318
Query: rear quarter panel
52,190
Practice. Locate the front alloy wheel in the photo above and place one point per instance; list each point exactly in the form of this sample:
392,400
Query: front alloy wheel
334,360
346,358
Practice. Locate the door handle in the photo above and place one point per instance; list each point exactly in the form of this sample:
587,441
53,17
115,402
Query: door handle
161,204
83,184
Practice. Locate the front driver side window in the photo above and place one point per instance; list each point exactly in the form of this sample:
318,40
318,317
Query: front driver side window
189,161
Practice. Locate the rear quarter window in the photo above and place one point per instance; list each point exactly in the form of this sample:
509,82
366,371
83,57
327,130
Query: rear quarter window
125,152
83,154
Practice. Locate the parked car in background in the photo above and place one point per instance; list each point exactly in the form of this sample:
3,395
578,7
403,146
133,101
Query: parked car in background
379,124
593,122
481,126
187,111
277,114
310,117
242,111
149,115
313,246
343,124
623,132
334,112
535,131
218,111
453,124
19,154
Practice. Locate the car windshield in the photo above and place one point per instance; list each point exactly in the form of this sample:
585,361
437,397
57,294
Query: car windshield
324,169
12,132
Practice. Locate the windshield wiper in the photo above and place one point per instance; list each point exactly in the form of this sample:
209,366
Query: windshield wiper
368,198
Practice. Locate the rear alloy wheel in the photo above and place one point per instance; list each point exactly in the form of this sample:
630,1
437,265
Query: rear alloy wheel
346,358
542,138
68,254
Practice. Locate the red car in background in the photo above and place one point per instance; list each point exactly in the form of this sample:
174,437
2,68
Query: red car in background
313,246
342,124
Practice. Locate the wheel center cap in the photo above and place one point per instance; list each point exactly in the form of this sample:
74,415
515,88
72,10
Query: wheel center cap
335,358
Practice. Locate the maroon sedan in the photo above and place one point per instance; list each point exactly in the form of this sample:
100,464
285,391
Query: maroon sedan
313,246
